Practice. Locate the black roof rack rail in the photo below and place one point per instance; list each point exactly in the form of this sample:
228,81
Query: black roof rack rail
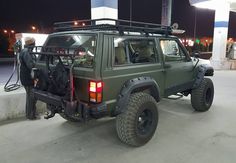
113,25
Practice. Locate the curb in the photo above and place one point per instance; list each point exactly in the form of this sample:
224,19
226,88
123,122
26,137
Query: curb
12,104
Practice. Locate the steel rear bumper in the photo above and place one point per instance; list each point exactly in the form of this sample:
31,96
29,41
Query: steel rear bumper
95,110
47,97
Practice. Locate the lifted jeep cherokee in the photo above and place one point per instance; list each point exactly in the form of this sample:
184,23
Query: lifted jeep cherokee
122,70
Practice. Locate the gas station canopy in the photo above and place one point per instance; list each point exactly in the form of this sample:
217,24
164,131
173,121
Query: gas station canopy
214,4
222,10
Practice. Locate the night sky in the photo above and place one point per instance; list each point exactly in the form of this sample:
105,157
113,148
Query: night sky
21,14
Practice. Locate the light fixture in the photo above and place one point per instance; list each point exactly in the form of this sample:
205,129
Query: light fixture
33,28
212,4
75,23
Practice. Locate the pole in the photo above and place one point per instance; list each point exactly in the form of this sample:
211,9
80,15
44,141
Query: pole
130,11
195,24
166,12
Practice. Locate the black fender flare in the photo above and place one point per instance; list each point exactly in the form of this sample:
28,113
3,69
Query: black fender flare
202,70
130,86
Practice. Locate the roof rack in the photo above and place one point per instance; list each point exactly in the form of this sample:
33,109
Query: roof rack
113,25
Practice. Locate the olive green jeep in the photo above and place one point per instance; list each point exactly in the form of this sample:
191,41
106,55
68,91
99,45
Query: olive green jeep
120,69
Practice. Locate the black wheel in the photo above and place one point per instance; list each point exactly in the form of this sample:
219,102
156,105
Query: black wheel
202,97
137,124
70,118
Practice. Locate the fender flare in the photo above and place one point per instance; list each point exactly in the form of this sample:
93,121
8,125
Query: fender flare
202,70
130,86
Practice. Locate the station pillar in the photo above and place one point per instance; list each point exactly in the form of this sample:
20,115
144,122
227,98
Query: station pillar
104,9
166,12
219,60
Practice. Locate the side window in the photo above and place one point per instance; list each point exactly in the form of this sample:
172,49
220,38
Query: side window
131,51
142,50
121,54
171,50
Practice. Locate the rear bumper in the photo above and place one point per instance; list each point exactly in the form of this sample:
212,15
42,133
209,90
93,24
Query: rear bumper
94,110
47,97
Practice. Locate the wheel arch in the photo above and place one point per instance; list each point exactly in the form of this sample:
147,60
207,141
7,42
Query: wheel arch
202,71
139,84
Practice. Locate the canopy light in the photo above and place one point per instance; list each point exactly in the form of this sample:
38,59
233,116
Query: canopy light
214,4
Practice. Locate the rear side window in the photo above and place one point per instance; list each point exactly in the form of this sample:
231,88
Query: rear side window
61,41
84,46
132,51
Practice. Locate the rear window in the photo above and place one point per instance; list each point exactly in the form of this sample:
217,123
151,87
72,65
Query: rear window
84,46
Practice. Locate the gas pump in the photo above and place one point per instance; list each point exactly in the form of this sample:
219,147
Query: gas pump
16,69
40,39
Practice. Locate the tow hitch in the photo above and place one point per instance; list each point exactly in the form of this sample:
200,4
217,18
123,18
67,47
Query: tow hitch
49,114
69,108
51,111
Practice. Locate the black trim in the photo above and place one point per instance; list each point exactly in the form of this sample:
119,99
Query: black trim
134,85
202,70
47,97
209,71
178,88
70,107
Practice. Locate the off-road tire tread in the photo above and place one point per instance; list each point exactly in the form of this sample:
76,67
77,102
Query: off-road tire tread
197,98
125,121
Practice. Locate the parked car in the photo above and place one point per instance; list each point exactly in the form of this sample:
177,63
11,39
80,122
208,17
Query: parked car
120,70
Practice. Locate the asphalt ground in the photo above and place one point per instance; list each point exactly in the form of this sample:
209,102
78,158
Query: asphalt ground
182,136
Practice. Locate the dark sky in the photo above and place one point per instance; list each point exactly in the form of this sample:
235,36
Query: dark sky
21,14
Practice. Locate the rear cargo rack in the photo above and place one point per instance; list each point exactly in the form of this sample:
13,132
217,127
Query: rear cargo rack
113,25
50,52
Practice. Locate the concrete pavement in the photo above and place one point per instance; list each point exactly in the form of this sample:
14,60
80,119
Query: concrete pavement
182,136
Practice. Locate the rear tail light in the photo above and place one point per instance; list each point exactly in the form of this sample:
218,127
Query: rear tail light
95,91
